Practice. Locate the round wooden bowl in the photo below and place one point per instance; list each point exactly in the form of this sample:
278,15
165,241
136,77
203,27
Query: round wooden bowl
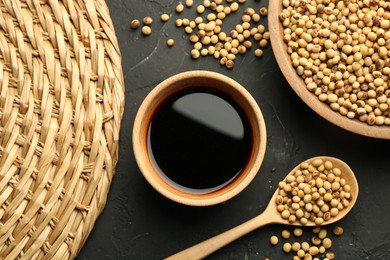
212,81
296,82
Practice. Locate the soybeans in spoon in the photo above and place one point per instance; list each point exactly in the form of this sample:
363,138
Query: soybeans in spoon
319,191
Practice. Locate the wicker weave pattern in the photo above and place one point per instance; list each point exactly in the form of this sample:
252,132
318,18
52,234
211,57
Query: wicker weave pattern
61,104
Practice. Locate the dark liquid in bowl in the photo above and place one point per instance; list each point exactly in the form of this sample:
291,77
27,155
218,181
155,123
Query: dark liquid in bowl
199,140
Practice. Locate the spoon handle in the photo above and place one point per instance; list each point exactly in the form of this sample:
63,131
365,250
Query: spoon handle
211,245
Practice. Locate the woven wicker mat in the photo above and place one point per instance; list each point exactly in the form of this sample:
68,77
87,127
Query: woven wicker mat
61,104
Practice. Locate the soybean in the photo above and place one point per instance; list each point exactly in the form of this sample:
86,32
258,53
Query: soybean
274,240
135,24
146,30
170,42
180,8
338,231
148,20
164,17
298,232
286,234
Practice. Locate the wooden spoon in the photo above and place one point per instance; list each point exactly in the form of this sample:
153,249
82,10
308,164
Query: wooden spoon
269,216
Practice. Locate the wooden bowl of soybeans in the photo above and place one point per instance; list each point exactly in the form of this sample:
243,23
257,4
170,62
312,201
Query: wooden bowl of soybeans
336,57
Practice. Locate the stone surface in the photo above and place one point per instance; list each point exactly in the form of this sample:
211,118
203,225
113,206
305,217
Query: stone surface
138,223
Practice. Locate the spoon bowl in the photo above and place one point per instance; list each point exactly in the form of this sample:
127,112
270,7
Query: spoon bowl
271,216
347,174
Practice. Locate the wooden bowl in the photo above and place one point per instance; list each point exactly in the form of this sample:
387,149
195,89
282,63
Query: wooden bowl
212,81
299,86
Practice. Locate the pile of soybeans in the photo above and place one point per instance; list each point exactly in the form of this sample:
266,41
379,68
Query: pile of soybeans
341,49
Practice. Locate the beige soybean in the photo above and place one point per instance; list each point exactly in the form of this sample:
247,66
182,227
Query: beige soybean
234,7
146,30
256,18
188,30
313,251
274,240
263,11
170,42
179,8
322,234
195,53
316,230
258,53
316,241
249,11
263,43
200,9
179,22
230,64
295,246
330,255
206,3
286,234
204,52
186,22
147,20
164,17
327,243
241,49
298,232
305,246
338,231
189,3
135,24
287,247
223,61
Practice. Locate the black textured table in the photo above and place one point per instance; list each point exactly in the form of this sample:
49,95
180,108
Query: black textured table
139,223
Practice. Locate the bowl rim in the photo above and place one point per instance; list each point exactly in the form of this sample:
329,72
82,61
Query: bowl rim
297,84
140,144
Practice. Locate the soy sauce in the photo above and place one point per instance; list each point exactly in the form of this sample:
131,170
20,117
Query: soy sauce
199,140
